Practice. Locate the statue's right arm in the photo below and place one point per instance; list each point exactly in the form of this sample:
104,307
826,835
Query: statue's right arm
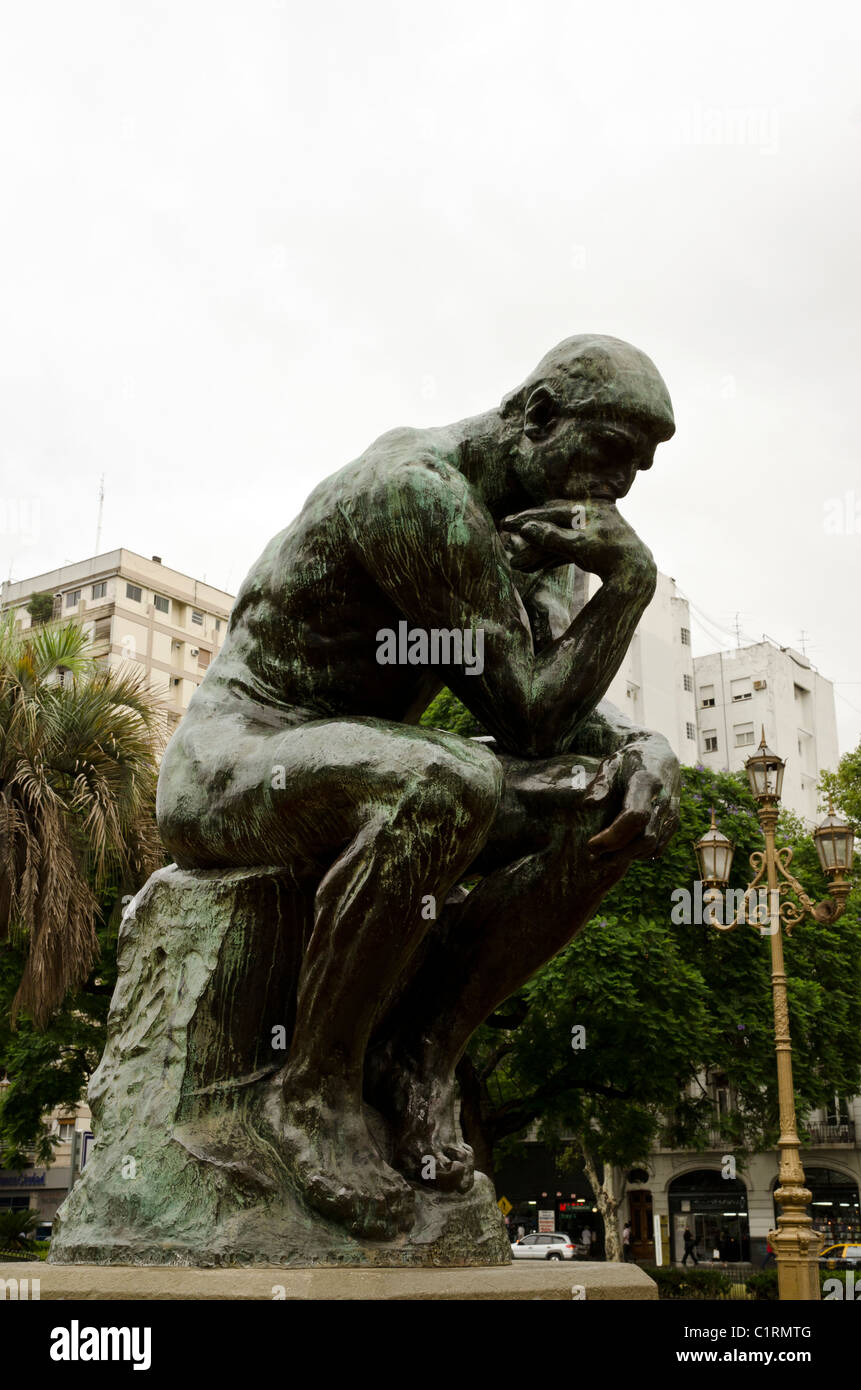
431,546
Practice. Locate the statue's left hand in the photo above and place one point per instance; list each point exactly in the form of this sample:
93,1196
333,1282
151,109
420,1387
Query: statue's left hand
648,770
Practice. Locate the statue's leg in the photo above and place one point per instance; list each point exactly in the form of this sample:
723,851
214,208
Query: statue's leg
379,816
541,885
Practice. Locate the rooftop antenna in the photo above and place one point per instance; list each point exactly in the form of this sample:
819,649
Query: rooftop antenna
737,631
803,640
101,509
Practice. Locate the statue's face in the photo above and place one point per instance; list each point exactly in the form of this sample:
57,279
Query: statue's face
578,449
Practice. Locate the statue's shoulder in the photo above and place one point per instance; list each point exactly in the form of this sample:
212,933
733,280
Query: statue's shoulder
409,464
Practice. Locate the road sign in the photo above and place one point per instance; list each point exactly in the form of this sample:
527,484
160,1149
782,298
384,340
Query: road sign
504,1205
546,1221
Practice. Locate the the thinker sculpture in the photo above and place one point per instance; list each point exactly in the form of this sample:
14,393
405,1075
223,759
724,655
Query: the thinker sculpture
301,755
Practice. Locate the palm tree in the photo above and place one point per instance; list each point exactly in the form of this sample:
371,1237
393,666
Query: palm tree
79,747
16,1228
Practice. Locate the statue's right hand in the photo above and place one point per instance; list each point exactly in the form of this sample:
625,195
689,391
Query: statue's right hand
591,534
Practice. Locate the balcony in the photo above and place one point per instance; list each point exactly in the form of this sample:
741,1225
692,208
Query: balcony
826,1135
713,1142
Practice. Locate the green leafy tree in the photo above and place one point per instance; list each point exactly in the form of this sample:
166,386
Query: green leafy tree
41,608
446,711
664,1001
714,1013
49,1067
844,787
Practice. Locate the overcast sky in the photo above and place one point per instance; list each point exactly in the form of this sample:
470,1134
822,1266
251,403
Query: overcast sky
240,240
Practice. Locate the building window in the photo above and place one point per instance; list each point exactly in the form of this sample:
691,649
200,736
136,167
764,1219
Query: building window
744,735
73,598
162,604
722,1096
203,658
741,689
101,629
692,733
710,741
197,617
100,589
688,682
134,593
686,637
65,1129
707,696
217,624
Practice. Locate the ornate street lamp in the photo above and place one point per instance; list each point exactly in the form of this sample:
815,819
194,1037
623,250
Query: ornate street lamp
714,855
795,1242
765,773
835,841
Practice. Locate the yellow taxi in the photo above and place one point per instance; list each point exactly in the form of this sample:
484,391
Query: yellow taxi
844,1256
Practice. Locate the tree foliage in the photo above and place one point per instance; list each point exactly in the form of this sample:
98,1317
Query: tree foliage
78,766
844,787
41,608
663,1002
49,1066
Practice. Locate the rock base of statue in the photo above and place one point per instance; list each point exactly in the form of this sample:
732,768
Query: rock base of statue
184,1169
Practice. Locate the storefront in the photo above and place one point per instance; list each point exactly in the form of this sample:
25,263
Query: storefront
43,1189
835,1208
542,1197
714,1210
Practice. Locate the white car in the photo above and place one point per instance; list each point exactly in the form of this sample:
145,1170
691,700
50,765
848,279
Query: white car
547,1245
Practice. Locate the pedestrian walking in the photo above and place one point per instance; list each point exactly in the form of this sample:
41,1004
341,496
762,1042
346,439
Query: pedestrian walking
586,1239
690,1247
626,1240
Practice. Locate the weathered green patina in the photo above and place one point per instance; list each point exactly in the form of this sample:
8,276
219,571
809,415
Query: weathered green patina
301,755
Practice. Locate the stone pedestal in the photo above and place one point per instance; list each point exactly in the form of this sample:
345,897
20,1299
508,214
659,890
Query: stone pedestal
559,1280
185,1169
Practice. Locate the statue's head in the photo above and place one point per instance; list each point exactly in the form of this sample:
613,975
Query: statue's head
590,415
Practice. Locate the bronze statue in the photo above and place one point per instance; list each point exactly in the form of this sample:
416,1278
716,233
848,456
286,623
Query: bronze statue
452,556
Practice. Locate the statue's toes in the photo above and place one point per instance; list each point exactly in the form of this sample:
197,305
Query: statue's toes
459,1176
452,1177
371,1210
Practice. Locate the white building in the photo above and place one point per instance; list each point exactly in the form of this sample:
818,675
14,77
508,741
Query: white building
137,610
738,693
654,686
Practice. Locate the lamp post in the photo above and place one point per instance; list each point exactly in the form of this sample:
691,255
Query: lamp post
795,1242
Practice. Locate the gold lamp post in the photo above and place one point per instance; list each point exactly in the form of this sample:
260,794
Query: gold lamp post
795,1242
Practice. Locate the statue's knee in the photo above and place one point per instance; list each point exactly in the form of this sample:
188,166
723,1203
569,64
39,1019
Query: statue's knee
453,793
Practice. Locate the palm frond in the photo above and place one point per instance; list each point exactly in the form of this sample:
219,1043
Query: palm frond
78,773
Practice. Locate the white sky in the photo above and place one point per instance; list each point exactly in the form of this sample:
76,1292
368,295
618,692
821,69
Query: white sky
240,240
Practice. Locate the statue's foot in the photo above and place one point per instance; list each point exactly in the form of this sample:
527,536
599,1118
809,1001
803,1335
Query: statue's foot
428,1145
336,1164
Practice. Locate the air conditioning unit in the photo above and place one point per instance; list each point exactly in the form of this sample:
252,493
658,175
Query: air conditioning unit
195,651
759,685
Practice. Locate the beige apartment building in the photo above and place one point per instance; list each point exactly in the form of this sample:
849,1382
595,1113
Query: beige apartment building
137,610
